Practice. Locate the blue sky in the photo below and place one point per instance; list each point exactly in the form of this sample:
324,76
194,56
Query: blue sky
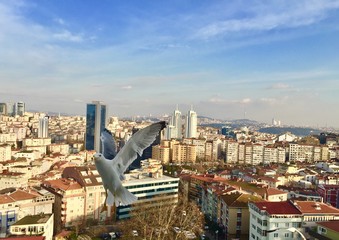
229,59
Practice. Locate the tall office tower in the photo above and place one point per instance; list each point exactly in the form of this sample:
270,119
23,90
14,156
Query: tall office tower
170,131
95,124
176,121
3,109
191,124
19,108
43,127
10,109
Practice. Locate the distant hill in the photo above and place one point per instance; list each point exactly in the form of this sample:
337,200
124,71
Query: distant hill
236,123
298,131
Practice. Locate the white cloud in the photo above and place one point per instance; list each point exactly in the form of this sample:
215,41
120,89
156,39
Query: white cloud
219,100
128,87
279,86
59,21
287,14
66,35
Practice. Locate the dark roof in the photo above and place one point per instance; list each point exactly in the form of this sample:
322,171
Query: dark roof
33,219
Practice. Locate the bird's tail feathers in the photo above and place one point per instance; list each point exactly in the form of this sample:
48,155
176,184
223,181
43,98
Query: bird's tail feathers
110,199
124,196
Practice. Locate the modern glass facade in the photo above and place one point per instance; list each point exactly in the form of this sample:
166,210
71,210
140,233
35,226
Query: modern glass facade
95,124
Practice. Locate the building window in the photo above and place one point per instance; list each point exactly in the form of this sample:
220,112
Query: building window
287,225
322,230
276,225
296,225
275,235
287,235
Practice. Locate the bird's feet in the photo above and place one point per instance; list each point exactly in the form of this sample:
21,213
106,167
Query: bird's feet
104,208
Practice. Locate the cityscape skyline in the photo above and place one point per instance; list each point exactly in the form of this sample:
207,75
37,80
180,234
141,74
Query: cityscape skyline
229,60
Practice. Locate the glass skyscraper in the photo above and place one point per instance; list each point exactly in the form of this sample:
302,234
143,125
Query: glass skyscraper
95,124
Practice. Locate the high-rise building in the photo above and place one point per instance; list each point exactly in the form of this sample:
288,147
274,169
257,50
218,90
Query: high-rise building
10,108
43,127
176,119
191,124
3,109
174,128
95,124
19,108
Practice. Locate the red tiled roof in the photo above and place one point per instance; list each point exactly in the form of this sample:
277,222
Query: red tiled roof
63,184
274,191
26,238
6,199
312,207
22,195
333,225
278,208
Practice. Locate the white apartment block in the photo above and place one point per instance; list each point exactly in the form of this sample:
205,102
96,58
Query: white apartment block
30,155
274,155
307,153
34,142
200,147
241,153
5,152
232,152
59,148
248,153
270,220
257,154
12,179
212,150
9,138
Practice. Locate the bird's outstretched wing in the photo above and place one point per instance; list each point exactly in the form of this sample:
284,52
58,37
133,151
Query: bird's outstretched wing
136,145
108,144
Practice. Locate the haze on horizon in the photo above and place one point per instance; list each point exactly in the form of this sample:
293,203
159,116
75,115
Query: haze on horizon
268,58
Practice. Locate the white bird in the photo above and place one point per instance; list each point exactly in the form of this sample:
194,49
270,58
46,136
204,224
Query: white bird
112,171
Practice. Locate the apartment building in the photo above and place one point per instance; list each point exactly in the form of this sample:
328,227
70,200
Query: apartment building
234,217
68,207
183,153
308,153
232,152
257,154
61,148
271,220
5,152
162,153
17,204
39,225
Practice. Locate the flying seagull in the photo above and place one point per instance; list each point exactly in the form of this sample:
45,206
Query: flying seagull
111,165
